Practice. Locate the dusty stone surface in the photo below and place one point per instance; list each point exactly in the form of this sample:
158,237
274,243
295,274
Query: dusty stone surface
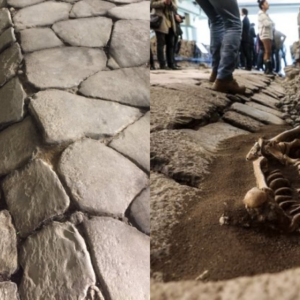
3,3
135,11
125,270
63,67
66,117
8,246
265,100
90,32
8,291
5,19
10,60
34,195
267,109
90,8
128,86
17,144
124,1
7,38
134,142
42,14
139,212
124,43
100,179
35,39
12,98
52,260
23,3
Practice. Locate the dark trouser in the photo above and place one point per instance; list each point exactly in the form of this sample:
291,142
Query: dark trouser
151,59
175,48
246,54
277,60
260,59
168,41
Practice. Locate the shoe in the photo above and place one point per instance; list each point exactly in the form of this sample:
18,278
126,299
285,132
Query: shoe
174,67
212,77
228,86
152,68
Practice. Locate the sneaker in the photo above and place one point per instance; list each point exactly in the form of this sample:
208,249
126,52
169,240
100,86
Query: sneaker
228,86
212,77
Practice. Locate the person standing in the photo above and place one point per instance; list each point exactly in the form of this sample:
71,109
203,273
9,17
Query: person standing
252,44
279,41
245,42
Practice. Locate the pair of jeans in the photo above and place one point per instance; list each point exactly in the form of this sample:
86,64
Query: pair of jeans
167,40
225,34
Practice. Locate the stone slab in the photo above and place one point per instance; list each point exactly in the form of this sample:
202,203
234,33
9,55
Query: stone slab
128,86
17,145
42,14
266,109
64,67
8,291
121,256
134,142
35,39
10,60
3,3
7,38
23,3
139,212
90,8
56,264
12,97
8,246
88,32
135,11
126,40
5,19
34,195
265,100
66,117
100,179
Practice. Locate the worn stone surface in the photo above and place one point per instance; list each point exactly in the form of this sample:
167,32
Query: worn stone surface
265,100
34,195
8,291
63,67
56,264
17,144
100,179
139,212
8,246
5,19
3,3
89,32
90,8
124,272
66,117
42,14
35,39
134,142
126,40
135,11
12,98
124,1
129,86
266,109
23,3
7,38
10,60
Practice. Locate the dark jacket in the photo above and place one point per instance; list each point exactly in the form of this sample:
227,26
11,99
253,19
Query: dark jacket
246,30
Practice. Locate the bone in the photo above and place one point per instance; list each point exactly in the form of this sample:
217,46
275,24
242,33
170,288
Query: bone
255,198
283,191
287,135
279,183
295,210
259,175
295,222
275,171
281,198
273,176
286,204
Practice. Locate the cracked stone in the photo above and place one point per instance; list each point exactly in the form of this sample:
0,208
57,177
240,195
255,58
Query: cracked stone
12,98
66,117
35,39
7,38
5,19
121,256
129,86
52,261
42,14
34,195
8,291
134,142
10,60
8,246
90,8
126,40
90,32
23,3
64,67
100,179
135,11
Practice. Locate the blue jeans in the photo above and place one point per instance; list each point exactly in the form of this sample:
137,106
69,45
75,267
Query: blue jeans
225,34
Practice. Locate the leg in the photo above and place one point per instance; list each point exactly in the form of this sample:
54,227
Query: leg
152,66
267,55
277,58
161,41
170,48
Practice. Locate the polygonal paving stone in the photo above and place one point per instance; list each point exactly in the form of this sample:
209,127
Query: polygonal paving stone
139,212
35,39
42,14
121,256
91,32
7,38
265,100
129,86
8,291
12,98
129,47
63,67
23,3
56,264
100,179
17,144
135,11
67,117
90,8
34,195
265,108
5,19
10,60
134,142
8,246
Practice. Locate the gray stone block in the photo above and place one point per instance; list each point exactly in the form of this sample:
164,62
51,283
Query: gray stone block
23,3
5,19
8,291
135,11
3,3
7,38
90,8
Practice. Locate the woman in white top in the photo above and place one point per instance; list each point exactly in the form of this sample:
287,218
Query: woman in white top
265,31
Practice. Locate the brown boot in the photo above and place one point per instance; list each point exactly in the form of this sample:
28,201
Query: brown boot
228,86
212,77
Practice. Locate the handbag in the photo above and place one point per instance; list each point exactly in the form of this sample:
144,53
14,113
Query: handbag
155,21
